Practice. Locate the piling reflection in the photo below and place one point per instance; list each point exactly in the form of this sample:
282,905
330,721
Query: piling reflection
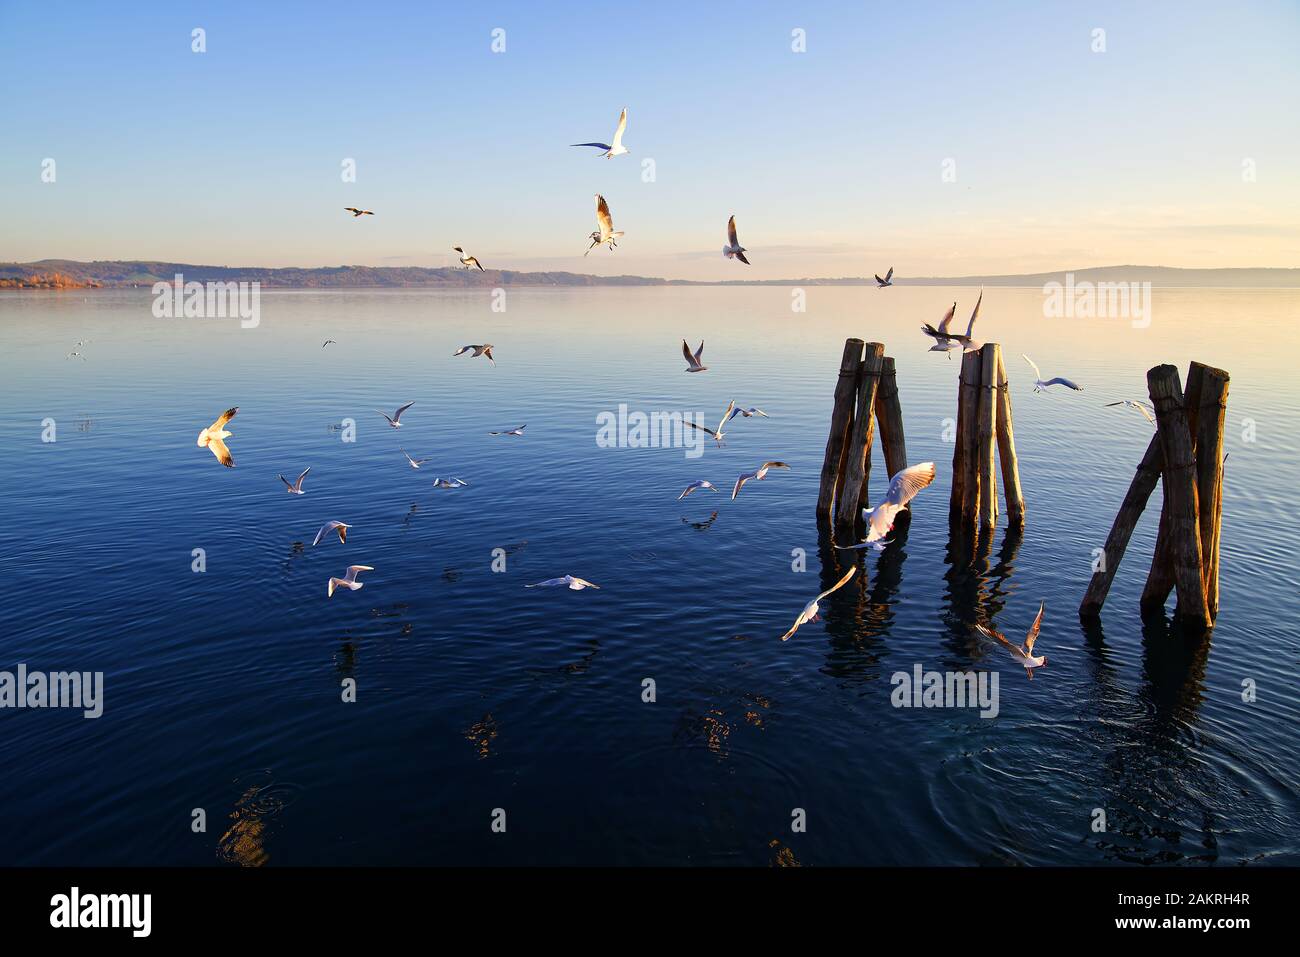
976,586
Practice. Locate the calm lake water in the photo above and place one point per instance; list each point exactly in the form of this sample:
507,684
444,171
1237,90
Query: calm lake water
223,688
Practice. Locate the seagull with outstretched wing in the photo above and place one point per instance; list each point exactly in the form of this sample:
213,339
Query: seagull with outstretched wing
295,488
1023,653
733,249
358,212
693,362
210,438
810,610
757,475
572,582
616,148
395,420
349,581
887,281
1146,408
903,487
328,527
606,234
1040,383
699,483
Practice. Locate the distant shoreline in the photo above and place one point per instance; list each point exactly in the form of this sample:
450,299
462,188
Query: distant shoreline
55,274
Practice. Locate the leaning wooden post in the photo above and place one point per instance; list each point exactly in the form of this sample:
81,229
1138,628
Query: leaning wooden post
889,417
846,388
1179,479
1007,449
987,434
962,505
1209,477
858,456
1135,500
1160,580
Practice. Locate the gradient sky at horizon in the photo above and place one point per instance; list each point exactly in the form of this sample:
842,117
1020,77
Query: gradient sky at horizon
831,159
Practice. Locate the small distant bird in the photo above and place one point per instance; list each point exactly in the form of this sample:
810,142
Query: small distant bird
331,527
726,417
700,483
693,363
395,419
1146,408
810,610
616,148
295,488
328,342
358,212
518,431
415,463
1022,653
606,234
570,581
943,339
449,483
75,355
483,350
468,261
214,433
349,581
887,281
757,475
903,487
1040,384
733,249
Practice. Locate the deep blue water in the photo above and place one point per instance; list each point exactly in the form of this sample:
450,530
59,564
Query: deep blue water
223,688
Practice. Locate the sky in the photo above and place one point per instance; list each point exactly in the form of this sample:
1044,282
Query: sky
943,139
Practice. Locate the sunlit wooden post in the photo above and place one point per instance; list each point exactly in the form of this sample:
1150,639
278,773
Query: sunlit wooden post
846,388
857,461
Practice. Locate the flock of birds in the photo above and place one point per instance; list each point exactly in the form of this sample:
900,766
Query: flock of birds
879,521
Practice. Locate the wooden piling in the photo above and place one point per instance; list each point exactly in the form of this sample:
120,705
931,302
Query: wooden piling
846,387
889,417
963,504
1007,450
1160,579
1209,471
1135,501
987,436
1178,476
857,463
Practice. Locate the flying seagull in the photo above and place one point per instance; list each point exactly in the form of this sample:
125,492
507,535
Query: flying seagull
468,261
733,249
214,433
757,475
616,148
518,431
330,527
887,281
943,338
606,234
967,342
395,420
902,489
327,342
1040,384
449,483
700,483
571,581
1146,408
726,417
747,413
810,610
349,581
1022,653
483,350
415,463
693,363
358,212
295,488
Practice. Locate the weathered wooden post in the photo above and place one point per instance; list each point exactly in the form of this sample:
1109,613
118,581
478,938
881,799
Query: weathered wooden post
1209,471
1178,476
987,436
963,504
1007,450
846,388
857,463
889,416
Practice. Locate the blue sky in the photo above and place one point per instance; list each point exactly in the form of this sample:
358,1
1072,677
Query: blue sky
831,158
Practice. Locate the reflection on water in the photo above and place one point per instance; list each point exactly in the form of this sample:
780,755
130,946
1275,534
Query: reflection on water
447,648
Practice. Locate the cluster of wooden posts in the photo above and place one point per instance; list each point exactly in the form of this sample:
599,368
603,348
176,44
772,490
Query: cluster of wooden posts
1186,457
865,393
